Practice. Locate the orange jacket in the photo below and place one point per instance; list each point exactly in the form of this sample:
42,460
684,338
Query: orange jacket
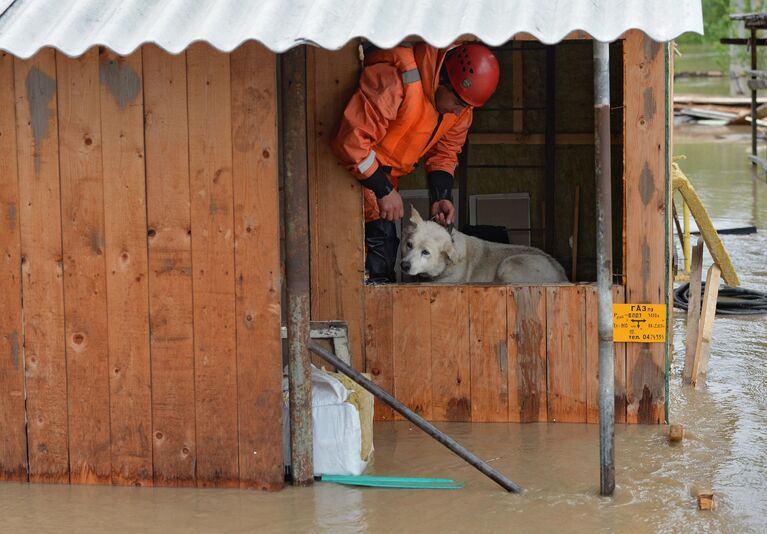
391,119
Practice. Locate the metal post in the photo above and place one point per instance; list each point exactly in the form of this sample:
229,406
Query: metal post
753,94
416,419
604,266
293,88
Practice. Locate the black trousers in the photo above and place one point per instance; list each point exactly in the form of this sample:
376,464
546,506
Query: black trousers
382,244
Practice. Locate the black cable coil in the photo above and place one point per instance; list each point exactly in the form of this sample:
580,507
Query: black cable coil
731,300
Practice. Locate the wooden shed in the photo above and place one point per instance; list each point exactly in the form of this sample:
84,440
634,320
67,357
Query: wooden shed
140,238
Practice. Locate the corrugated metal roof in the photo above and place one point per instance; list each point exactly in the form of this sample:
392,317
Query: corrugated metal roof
73,26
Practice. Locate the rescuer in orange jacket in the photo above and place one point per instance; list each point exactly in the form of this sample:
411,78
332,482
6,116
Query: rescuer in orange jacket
413,101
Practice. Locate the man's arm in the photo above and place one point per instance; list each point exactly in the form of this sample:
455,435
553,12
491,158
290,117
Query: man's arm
441,161
365,121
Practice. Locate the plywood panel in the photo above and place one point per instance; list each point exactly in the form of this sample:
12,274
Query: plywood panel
450,354
526,309
13,439
566,333
85,298
37,130
646,184
489,354
335,198
170,267
122,136
592,359
412,348
257,265
210,167
379,343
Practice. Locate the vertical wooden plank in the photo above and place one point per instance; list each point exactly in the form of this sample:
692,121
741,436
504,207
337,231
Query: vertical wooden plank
566,333
257,265
379,343
450,355
526,308
646,184
335,200
707,316
619,297
489,354
42,268
592,360
122,138
170,268
13,438
693,312
85,302
411,325
210,168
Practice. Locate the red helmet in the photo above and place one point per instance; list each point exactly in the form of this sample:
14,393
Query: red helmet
473,72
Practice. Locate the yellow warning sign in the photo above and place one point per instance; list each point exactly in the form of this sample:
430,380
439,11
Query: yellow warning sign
639,323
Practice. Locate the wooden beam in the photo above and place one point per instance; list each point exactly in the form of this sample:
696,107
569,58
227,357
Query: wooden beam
514,138
213,282
693,311
122,125
13,436
37,127
169,233
85,292
646,194
257,265
335,198
703,345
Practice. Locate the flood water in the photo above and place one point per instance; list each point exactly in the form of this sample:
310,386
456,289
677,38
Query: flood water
725,446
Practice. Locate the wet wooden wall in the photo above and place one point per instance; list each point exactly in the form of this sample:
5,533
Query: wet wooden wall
647,218
490,353
140,275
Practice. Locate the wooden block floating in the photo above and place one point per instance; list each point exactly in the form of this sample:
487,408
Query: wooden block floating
706,500
675,433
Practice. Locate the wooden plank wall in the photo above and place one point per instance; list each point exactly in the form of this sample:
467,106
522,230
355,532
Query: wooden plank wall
490,353
13,441
140,230
335,198
646,185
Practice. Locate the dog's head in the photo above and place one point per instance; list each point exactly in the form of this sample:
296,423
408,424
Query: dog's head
427,248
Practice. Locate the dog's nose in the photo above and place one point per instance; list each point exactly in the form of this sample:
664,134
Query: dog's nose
405,265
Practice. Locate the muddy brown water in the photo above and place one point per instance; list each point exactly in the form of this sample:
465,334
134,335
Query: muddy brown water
725,447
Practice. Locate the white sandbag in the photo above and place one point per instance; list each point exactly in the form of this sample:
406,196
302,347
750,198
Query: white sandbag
337,428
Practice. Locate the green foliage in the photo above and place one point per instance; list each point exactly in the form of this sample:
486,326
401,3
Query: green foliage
717,24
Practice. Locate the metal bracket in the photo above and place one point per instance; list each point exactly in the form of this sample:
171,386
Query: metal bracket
338,331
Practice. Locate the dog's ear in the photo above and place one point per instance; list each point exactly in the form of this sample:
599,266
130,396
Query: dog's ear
415,217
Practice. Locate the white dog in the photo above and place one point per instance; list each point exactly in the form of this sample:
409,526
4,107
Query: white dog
429,250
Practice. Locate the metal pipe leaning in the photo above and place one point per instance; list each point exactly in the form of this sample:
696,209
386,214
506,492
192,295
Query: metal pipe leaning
416,419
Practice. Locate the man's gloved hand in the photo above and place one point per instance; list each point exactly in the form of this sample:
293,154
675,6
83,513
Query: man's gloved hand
443,212
391,207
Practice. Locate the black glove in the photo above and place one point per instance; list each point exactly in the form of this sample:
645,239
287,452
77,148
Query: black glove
440,186
378,182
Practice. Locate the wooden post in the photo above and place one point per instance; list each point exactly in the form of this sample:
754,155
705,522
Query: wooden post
293,111
693,311
703,346
686,236
576,213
